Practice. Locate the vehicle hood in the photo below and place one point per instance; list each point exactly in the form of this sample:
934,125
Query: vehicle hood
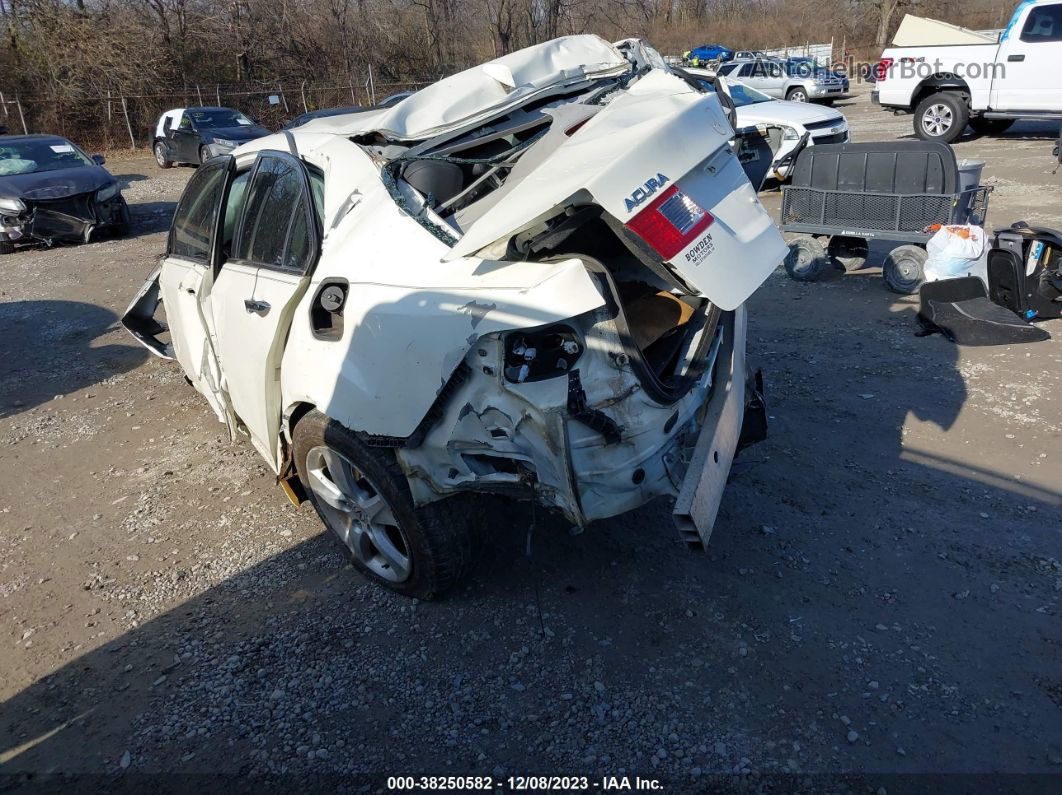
241,132
486,90
55,184
782,112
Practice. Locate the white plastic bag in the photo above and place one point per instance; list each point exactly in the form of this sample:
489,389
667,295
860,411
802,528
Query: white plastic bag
957,251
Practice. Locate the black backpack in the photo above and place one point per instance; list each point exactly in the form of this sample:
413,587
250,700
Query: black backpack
1025,271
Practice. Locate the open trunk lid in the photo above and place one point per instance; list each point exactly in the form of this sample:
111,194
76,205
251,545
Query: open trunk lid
657,141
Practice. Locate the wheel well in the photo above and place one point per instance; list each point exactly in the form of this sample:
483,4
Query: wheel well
297,413
940,82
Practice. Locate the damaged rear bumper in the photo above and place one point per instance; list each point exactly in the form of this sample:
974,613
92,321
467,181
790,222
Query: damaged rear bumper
708,464
610,450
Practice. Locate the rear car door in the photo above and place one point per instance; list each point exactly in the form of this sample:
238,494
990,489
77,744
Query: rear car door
274,246
186,274
1029,61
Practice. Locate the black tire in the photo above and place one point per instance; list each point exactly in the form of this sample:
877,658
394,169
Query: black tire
903,270
204,155
941,117
797,94
160,155
849,253
806,259
438,538
983,126
6,247
125,222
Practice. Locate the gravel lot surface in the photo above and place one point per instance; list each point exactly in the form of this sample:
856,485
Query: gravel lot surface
881,594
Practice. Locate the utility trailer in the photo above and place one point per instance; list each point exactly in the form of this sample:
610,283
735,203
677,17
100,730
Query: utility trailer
843,196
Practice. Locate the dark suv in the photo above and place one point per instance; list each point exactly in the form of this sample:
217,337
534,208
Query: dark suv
194,135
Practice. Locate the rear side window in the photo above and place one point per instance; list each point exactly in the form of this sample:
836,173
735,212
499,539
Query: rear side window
1043,24
746,70
196,216
276,228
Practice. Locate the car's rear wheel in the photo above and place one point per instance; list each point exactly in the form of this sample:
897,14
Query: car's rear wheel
797,95
204,155
941,117
362,496
6,247
904,269
160,156
806,259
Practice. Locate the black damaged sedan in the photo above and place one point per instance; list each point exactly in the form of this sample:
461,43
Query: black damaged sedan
52,192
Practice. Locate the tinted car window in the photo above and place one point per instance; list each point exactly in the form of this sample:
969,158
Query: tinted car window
1044,24
275,231
193,224
233,205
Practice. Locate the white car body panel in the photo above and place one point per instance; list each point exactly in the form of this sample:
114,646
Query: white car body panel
640,127
419,362
1011,76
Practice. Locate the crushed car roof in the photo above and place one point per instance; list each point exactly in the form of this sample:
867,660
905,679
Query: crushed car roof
486,89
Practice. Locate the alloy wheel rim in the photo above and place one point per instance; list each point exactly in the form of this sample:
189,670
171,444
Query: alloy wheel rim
357,512
160,158
937,119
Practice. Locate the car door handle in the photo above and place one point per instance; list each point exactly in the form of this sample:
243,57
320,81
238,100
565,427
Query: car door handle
1015,57
261,307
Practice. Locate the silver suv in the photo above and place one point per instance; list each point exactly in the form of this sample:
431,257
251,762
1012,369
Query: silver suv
776,80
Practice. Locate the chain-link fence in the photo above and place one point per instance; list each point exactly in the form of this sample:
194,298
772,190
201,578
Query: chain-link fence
119,120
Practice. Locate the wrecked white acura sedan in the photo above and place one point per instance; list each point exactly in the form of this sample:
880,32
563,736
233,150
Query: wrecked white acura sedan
527,279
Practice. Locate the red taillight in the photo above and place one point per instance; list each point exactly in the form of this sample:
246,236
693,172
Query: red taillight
671,222
881,71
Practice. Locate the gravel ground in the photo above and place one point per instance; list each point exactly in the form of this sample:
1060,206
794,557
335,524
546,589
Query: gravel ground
881,595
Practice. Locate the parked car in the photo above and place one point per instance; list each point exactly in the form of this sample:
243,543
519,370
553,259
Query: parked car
793,119
748,55
707,52
52,192
194,135
537,293
323,113
809,66
986,86
772,78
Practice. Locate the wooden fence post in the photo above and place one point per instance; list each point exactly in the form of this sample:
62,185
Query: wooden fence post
353,99
3,103
128,124
217,89
302,91
199,93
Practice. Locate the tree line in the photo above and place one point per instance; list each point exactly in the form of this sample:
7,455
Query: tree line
64,56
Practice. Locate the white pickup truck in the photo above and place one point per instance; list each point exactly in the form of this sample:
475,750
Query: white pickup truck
988,86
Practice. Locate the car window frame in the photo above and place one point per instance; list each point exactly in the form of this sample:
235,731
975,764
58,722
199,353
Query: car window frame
313,221
211,249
